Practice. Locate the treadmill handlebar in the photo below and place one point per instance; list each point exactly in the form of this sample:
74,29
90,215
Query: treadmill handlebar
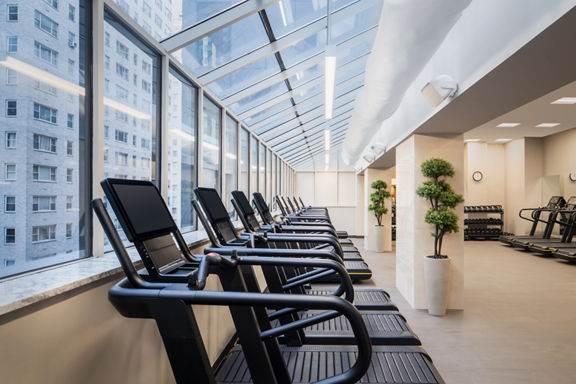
123,295
296,253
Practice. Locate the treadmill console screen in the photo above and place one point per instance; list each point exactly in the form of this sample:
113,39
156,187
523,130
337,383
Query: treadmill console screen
144,207
243,202
213,204
260,201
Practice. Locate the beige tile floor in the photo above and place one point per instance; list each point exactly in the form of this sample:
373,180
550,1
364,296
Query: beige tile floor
519,321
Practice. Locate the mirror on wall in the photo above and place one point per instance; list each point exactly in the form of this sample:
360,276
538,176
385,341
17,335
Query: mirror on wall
551,186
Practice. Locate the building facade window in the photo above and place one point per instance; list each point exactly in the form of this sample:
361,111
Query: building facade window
69,148
10,140
69,120
12,14
52,3
71,12
121,159
43,233
45,113
12,44
10,174
69,174
10,204
10,236
43,203
68,230
43,173
11,108
45,143
122,50
122,71
121,136
11,77
45,53
71,39
69,200
46,24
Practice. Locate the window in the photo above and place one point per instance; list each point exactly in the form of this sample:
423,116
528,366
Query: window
43,173
12,12
10,204
44,143
158,21
10,174
9,262
135,59
43,233
134,161
11,108
69,148
107,39
42,86
69,200
121,158
43,203
71,39
231,163
71,12
69,173
182,119
134,140
107,62
135,79
122,116
145,86
44,113
10,236
11,77
121,136
106,131
146,8
145,163
69,120
253,165
45,53
244,177
10,140
52,3
146,67
71,65
68,230
122,50
122,71
106,151
12,44
121,93
46,24
211,145
262,170
145,143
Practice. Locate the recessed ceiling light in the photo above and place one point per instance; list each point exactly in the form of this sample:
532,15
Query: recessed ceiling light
547,125
471,140
565,100
508,125
503,140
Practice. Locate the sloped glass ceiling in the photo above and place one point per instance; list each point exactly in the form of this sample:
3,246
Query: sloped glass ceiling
267,66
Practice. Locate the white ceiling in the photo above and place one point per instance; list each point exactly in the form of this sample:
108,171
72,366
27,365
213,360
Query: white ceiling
529,115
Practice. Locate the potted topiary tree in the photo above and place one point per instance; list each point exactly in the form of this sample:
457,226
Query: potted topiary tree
378,206
442,198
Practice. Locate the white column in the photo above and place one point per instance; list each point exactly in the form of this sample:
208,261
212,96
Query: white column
413,240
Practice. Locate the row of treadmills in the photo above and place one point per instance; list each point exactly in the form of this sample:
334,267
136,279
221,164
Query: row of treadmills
552,229
292,333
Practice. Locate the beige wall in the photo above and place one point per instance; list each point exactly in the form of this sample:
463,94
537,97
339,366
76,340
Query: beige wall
488,159
560,159
335,190
82,339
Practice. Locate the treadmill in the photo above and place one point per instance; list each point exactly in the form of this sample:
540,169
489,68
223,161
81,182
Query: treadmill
566,221
148,224
251,224
222,226
555,202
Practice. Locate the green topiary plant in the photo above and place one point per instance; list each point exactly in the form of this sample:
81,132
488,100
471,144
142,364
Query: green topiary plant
442,200
378,200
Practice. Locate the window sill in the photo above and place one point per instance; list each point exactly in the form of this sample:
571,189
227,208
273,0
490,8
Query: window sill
22,291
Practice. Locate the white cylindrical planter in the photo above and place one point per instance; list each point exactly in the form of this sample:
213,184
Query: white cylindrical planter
378,238
437,278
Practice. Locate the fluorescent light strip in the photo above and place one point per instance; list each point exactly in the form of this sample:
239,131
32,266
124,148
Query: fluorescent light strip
329,83
547,125
508,125
503,140
565,100
472,140
327,140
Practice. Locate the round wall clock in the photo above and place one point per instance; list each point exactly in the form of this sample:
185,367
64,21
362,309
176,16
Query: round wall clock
477,176
572,176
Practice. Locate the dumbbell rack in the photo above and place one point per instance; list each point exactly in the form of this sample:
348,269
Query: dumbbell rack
481,222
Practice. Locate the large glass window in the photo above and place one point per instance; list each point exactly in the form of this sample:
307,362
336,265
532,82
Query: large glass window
269,177
253,166
243,181
50,79
231,163
211,145
132,148
262,170
182,133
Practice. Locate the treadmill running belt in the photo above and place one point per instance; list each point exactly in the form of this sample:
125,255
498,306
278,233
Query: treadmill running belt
366,298
401,364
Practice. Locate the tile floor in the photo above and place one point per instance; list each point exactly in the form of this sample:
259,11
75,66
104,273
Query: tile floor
519,321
